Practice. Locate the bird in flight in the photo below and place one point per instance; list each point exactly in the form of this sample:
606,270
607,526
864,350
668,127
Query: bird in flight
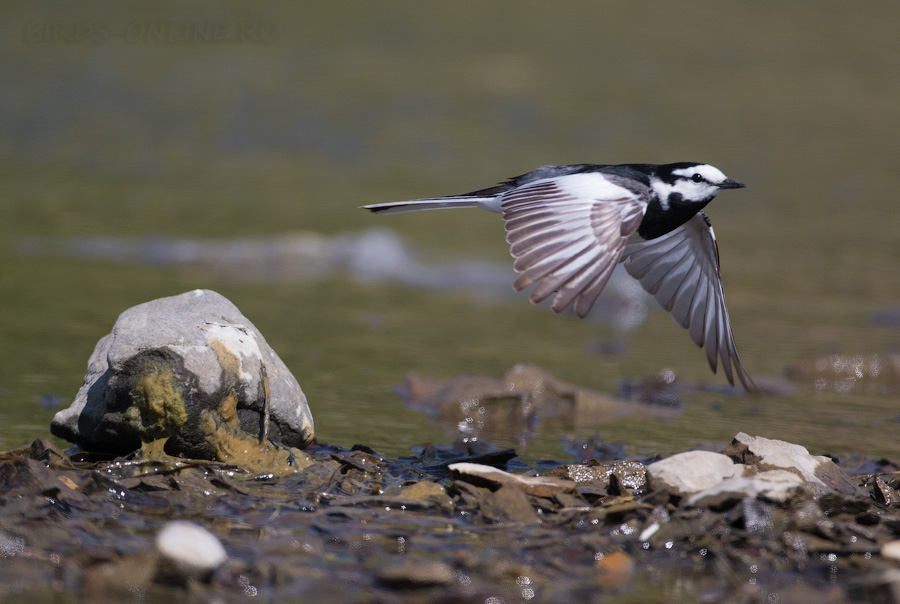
568,227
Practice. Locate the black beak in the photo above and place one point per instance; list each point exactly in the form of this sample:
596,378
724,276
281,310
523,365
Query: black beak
731,184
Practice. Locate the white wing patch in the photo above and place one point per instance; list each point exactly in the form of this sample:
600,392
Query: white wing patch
567,234
592,186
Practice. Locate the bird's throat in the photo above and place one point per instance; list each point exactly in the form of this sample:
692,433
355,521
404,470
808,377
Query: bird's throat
659,220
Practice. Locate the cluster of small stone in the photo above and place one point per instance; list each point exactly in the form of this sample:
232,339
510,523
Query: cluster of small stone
759,520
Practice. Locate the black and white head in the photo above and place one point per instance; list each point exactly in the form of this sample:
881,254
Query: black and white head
690,182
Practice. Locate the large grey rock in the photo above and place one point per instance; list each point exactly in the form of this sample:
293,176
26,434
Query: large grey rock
182,368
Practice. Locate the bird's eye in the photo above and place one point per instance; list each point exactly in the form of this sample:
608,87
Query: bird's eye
697,178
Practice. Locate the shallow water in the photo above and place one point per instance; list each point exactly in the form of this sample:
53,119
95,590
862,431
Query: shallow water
128,136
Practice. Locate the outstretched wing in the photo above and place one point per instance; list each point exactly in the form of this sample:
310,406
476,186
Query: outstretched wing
567,234
681,270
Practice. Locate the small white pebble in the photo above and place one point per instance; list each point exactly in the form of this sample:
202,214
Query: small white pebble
649,531
190,546
891,550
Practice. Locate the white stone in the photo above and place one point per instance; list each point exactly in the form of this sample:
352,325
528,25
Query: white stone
821,474
776,486
891,550
690,472
190,547
785,455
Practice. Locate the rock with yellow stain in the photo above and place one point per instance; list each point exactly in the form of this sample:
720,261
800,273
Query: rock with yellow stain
190,371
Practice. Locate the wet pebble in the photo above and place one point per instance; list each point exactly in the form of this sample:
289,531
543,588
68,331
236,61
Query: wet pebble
891,550
627,473
409,574
615,569
421,491
690,472
188,551
774,485
508,504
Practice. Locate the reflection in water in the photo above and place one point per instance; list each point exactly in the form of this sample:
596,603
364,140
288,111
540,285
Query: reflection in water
510,410
872,373
372,256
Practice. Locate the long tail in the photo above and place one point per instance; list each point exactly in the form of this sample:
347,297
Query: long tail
437,203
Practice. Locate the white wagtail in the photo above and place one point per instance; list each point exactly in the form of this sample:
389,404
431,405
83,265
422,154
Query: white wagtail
568,226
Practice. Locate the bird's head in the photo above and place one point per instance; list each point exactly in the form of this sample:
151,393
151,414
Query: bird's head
692,182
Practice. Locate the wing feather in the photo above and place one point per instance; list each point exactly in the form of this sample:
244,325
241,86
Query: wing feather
567,234
681,270
565,273
539,265
588,296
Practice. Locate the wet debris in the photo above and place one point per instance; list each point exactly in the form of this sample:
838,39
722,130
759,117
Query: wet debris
436,460
494,479
359,460
191,374
750,523
882,491
615,476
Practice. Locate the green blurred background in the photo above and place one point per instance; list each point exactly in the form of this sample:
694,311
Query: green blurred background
217,121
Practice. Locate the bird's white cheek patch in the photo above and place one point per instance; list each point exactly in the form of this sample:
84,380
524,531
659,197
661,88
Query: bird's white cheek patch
689,191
